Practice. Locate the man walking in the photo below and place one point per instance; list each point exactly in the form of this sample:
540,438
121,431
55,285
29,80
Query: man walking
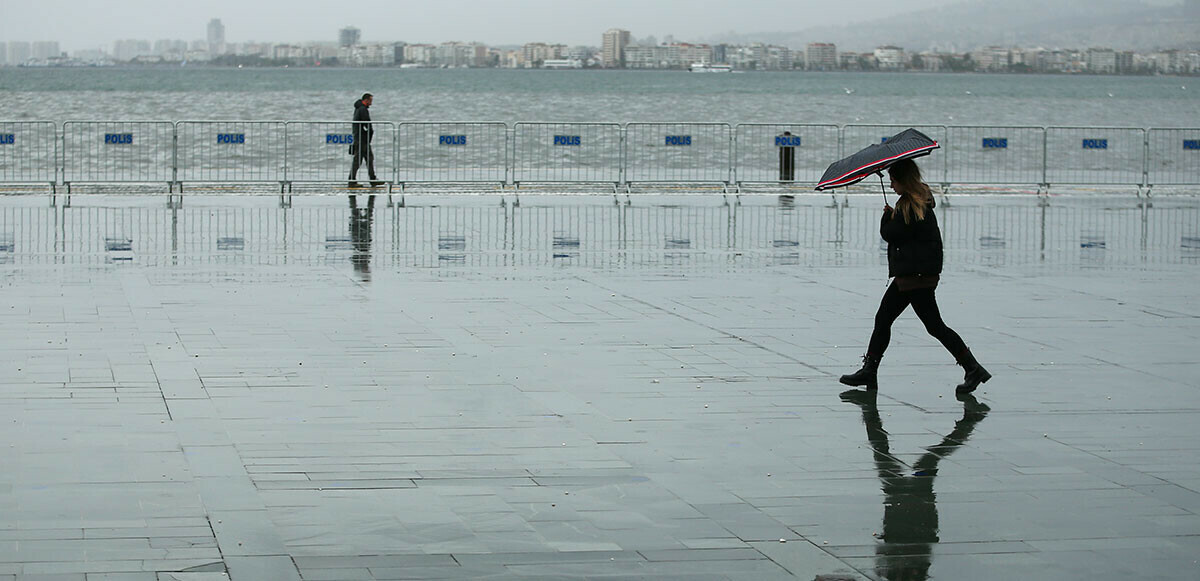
360,148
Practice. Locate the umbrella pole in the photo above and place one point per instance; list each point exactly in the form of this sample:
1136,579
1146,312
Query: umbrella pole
881,187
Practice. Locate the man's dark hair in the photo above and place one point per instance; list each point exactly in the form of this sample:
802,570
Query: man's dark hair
367,96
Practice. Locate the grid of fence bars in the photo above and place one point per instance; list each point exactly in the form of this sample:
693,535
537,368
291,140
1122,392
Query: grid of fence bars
1173,157
231,151
452,153
118,152
28,152
995,155
678,152
765,153
297,151
566,153
1095,155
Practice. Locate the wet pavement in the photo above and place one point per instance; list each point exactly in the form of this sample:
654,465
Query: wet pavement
576,388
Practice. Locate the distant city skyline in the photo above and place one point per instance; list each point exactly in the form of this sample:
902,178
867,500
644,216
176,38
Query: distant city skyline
82,26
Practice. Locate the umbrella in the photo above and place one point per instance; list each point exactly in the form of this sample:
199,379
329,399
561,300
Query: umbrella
907,144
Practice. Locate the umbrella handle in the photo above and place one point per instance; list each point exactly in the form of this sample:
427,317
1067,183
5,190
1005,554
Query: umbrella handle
885,200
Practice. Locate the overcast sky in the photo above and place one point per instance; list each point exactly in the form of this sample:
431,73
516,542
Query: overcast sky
80,24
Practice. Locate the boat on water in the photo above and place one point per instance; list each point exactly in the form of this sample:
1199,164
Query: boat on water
710,68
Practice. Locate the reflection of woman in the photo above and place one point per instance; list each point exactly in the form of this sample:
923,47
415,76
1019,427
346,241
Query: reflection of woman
915,261
910,517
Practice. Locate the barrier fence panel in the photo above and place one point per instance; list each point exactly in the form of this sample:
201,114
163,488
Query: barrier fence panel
118,151
933,166
566,152
784,153
323,151
994,155
1095,155
1174,157
28,151
230,151
452,153
678,152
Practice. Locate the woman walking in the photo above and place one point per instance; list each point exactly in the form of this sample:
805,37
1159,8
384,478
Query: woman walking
915,263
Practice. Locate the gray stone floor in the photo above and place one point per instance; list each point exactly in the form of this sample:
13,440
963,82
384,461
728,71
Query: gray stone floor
572,388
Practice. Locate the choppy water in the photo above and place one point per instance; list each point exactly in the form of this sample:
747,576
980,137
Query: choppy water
619,96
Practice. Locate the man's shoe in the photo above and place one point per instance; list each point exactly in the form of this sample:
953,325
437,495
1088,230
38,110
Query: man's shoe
353,185
377,183
865,377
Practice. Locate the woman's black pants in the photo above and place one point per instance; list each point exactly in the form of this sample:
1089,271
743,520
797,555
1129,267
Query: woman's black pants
924,303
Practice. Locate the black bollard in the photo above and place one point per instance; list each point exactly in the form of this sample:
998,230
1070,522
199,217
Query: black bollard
787,156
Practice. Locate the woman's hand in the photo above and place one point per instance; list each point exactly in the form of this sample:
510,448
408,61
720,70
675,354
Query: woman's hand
887,209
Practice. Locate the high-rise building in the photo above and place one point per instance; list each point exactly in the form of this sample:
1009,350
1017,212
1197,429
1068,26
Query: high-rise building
612,53
216,36
349,36
127,50
821,56
18,52
45,50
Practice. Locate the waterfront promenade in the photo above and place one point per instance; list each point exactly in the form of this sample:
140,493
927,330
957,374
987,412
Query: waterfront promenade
572,388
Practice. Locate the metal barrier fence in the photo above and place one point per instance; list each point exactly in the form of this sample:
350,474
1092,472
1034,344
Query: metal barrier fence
452,153
678,152
1173,157
231,151
323,151
301,151
784,153
28,152
566,152
118,152
1095,155
995,155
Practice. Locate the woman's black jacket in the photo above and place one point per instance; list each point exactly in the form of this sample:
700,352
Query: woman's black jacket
914,248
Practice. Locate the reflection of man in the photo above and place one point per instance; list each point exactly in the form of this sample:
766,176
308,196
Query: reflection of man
910,518
360,147
360,236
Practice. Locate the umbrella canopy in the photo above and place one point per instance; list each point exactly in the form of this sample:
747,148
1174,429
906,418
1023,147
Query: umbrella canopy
907,144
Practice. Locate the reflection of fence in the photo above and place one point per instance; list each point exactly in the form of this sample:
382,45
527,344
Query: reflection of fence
28,152
800,231
609,153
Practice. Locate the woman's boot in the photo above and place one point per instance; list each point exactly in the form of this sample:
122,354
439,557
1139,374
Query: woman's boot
976,374
865,377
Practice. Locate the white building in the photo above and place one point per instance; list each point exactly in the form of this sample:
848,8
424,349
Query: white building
613,48
18,52
44,50
1102,60
821,56
891,58
216,37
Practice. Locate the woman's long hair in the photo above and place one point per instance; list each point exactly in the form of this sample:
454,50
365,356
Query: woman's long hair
915,195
